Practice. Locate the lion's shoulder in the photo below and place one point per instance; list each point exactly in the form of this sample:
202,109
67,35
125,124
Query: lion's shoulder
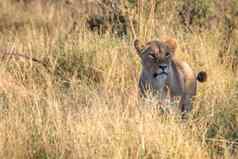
185,68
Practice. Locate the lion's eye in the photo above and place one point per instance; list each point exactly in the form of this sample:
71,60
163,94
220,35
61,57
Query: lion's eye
167,54
152,56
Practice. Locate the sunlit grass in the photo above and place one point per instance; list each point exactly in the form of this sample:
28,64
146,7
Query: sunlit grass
87,106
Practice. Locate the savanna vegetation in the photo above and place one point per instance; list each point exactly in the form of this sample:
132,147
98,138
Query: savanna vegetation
80,100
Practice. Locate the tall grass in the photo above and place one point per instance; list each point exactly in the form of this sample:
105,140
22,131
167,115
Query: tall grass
87,105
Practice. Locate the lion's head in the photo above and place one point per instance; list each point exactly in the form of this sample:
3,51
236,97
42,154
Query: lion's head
156,55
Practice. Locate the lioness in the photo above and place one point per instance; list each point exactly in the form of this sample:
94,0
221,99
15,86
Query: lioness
163,73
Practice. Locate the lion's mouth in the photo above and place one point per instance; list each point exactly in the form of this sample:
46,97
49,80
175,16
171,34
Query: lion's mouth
155,75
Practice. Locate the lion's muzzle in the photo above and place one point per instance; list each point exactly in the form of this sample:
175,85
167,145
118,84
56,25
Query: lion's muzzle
162,70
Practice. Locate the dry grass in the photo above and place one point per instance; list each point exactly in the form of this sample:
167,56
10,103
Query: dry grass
88,106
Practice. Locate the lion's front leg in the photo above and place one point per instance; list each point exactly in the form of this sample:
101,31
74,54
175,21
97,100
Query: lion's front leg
185,104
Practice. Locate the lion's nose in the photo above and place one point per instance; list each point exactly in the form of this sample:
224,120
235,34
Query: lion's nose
163,67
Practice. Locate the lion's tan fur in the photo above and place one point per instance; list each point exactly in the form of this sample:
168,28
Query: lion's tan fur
162,72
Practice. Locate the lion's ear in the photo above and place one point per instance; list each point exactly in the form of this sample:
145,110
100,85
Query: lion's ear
172,44
138,46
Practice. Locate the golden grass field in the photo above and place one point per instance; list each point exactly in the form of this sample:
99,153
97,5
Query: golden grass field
87,107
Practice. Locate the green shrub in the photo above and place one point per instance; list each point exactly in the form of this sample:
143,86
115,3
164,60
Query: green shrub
223,130
195,12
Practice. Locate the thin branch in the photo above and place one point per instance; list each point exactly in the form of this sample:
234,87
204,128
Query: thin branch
25,57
